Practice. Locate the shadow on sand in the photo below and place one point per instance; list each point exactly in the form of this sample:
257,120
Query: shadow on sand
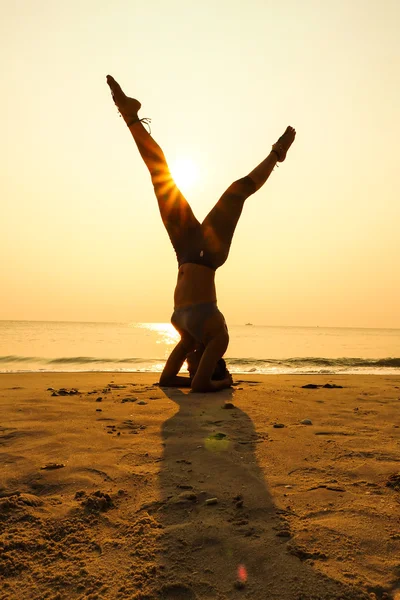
239,545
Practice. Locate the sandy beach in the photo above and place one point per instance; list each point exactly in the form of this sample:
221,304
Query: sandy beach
111,487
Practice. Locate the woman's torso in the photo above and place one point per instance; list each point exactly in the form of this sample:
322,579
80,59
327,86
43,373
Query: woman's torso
195,285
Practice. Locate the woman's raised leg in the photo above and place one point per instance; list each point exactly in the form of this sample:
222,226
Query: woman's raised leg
219,225
175,211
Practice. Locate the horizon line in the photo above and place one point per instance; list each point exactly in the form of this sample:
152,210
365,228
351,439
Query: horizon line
168,322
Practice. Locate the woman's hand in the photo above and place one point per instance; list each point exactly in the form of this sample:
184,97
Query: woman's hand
229,379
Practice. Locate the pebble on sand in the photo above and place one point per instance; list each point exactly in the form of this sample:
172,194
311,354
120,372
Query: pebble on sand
66,392
285,533
212,501
332,385
306,422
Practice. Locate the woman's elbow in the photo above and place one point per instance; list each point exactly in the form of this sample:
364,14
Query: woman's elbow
200,388
165,381
200,385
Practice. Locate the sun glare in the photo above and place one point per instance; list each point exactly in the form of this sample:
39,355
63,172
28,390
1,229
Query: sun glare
165,332
185,172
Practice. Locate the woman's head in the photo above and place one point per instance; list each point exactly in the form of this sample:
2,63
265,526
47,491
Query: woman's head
220,371
193,359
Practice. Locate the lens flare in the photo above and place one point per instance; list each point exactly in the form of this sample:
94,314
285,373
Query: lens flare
242,573
216,442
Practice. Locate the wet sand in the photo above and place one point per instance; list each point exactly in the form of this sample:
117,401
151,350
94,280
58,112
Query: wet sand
116,488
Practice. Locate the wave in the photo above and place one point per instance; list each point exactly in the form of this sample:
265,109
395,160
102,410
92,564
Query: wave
320,362
243,365
68,360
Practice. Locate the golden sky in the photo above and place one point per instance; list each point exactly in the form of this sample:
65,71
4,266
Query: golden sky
80,234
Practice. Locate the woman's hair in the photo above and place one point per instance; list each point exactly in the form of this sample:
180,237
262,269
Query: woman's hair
220,371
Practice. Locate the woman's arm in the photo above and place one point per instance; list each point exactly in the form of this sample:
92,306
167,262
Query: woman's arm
202,381
169,376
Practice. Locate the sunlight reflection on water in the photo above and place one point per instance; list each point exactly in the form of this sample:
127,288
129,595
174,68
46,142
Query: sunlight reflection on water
167,334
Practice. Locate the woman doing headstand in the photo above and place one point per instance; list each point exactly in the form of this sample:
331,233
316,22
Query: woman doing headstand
200,249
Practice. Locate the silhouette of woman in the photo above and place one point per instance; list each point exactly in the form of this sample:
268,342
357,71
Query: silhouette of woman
200,249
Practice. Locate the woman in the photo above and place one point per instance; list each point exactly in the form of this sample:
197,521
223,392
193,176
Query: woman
200,250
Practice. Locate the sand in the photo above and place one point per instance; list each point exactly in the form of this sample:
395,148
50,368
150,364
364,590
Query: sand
126,490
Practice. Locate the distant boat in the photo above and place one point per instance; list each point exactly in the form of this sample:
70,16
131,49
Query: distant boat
249,324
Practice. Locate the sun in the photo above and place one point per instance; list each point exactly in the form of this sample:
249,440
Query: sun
185,172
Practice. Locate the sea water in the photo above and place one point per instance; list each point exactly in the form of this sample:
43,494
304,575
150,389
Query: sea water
65,346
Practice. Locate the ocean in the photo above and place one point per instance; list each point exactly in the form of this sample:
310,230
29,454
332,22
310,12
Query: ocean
40,346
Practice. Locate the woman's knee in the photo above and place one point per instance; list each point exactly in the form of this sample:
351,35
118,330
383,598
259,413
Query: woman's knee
243,187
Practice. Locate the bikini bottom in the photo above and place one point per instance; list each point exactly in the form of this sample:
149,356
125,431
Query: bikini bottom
193,317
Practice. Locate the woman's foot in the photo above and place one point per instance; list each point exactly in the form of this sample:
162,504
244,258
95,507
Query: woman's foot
128,107
283,144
